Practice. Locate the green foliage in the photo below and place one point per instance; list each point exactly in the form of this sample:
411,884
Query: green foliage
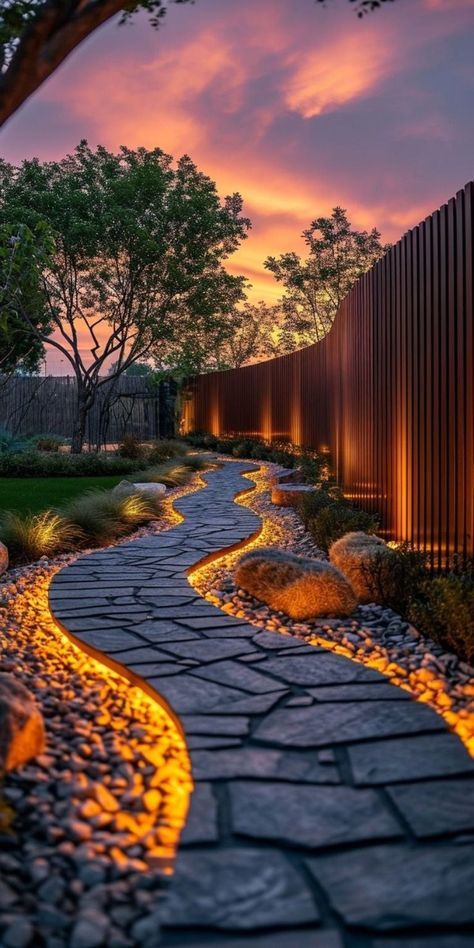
164,450
334,520
47,442
444,611
310,505
396,580
130,447
10,443
314,288
132,218
41,464
102,515
30,536
24,318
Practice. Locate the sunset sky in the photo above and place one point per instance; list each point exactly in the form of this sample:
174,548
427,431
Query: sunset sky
296,106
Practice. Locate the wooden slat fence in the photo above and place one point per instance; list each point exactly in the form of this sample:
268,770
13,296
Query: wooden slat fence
389,391
37,405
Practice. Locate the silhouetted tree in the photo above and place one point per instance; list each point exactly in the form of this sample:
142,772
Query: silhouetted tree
315,287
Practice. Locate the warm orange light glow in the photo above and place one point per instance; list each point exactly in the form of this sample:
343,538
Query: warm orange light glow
422,683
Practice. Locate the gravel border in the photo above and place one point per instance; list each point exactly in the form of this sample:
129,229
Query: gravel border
108,798
373,635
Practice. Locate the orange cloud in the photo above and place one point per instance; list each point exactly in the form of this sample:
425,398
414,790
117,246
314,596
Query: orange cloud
343,70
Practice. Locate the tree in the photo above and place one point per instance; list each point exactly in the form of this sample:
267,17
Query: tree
138,251
36,36
254,336
23,254
315,287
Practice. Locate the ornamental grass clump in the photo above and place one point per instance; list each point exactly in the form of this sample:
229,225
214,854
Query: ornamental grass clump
299,587
366,561
103,515
31,536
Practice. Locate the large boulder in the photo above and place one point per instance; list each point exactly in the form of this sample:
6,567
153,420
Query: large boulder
288,475
300,587
289,495
3,558
21,724
365,561
152,489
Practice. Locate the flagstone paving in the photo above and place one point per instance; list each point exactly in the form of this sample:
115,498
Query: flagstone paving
329,809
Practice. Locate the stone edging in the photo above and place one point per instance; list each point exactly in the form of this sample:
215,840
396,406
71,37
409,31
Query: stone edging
326,800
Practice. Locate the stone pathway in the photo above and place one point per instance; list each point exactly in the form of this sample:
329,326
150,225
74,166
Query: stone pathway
329,808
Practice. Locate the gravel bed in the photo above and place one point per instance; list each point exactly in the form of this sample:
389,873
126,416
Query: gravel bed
373,635
88,831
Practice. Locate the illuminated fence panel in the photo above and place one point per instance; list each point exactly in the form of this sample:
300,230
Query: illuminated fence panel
389,391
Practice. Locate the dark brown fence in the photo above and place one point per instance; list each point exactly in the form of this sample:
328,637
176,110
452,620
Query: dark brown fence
389,392
36,405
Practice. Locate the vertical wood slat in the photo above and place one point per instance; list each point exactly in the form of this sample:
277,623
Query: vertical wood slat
390,390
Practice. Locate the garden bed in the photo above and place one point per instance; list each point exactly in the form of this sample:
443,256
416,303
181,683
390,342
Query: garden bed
374,635
108,798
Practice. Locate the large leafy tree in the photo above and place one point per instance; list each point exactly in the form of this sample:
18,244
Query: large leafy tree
23,255
315,287
36,36
139,245
242,335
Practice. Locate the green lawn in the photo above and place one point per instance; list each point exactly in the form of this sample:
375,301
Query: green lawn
39,493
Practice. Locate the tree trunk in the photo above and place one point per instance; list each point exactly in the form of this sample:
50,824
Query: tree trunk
79,429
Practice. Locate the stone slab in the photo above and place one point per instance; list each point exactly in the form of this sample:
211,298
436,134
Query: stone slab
409,758
213,724
263,764
437,806
237,889
308,816
395,887
340,723
201,823
323,668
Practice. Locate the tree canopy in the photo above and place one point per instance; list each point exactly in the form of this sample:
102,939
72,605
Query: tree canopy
137,261
315,287
36,36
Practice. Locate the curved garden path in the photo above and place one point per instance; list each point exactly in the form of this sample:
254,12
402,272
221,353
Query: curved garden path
328,804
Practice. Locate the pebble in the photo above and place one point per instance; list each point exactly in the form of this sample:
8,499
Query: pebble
59,853
375,635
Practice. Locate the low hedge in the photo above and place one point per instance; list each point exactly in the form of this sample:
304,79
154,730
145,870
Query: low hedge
51,464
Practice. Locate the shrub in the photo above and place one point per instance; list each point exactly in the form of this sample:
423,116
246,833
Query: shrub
300,587
396,580
334,520
130,447
311,466
10,443
164,450
46,442
444,611
30,536
42,464
311,504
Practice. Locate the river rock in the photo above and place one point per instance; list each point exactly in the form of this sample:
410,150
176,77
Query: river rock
21,724
153,489
3,558
289,495
300,587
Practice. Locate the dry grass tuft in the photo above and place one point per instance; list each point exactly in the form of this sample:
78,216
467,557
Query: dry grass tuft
300,587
